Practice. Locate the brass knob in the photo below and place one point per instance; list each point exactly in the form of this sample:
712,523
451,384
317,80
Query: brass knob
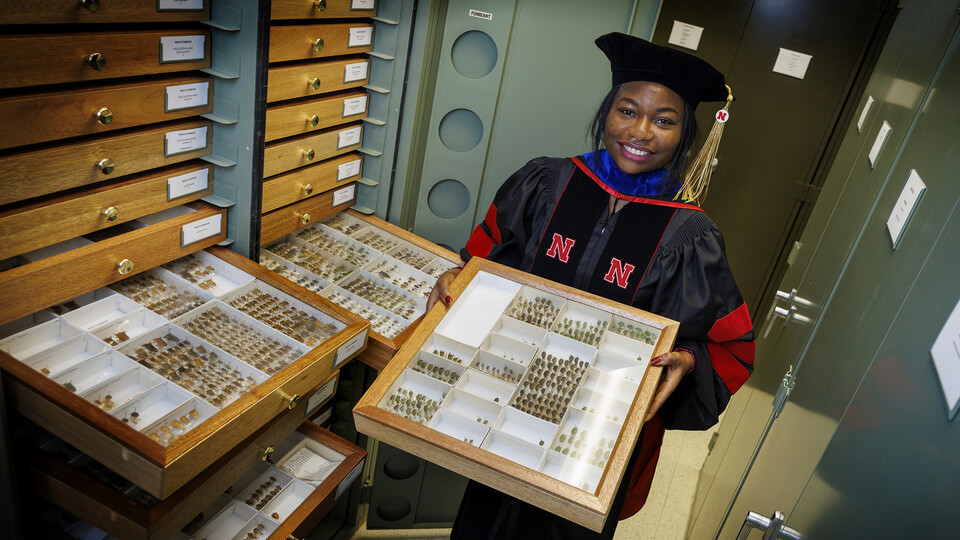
315,83
111,214
313,120
304,218
294,399
91,5
321,5
318,44
308,189
97,61
106,165
125,266
309,154
265,455
104,116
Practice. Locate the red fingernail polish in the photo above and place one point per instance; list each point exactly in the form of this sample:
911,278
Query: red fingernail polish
655,361
448,299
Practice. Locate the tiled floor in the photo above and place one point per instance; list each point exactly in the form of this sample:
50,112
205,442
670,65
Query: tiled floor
668,508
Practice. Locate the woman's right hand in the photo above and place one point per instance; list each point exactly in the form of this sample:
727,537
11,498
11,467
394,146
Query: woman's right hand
441,289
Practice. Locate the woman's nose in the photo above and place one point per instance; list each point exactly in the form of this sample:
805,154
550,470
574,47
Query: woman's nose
642,129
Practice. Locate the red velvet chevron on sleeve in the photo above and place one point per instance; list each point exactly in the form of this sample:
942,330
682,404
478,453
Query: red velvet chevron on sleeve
732,347
485,235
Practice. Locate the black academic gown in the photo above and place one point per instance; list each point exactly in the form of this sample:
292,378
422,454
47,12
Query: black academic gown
550,219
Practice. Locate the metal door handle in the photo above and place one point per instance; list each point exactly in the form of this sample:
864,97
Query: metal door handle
772,528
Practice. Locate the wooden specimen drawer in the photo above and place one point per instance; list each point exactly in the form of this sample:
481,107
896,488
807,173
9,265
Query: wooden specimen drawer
63,58
305,80
34,173
285,155
162,454
56,115
34,286
102,11
285,220
80,493
50,221
534,388
305,182
302,42
313,115
322,9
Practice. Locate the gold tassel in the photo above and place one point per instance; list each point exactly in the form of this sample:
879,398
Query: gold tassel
697,179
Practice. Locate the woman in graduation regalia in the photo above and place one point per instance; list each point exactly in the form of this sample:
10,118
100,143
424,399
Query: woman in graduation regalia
623,222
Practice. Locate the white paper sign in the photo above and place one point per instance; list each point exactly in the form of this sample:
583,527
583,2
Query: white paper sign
179,5
188,140
181,48
355,72
864,112
480,14
946,359
685,35
349,137
349,478
352,106
346,170
792,63
308,466
340,196
349,348
201,229
187,96
319,397
185,184
360,36
363,4
906,204
878,143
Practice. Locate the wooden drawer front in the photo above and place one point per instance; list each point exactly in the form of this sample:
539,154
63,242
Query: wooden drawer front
316,114
319,40
286,155
34,286
322,9
48,222
54,59
40,172
317,78
53,115
290,218
66,11
310,181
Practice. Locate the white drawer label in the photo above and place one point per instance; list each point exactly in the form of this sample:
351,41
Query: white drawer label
185,184
360,36
346,170
320,396
349,137
352,106
187,96
363,4
178,142
355,72
341,196
179,5
349,348
181,48
200,230
349,478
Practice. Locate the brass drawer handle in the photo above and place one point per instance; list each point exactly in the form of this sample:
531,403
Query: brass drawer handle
313,120
265,454
308,189
111,214
97,61
106,165
321,5
91,5
315,83
125,266
294,399
104,116
304,219
318,44
309,154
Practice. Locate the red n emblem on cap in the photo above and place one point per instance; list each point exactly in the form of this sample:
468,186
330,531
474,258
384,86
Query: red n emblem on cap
619,272
560,247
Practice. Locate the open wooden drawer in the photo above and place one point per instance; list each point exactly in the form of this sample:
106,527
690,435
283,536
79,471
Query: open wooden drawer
111,503
534,388
185,401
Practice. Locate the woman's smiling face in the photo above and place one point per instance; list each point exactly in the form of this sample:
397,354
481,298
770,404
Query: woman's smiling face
643,128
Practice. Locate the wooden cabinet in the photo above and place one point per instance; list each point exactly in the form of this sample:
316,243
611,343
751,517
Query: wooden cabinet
302,42
301,117
98,11
322,9
304,80
301,183
295,152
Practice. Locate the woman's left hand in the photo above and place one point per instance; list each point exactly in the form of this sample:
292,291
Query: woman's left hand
677,364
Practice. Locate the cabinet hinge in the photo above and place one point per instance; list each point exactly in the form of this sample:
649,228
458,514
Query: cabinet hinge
713,441
807,193
366,493
786,386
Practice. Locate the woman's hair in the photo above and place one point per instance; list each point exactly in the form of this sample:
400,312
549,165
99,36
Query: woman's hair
688,134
